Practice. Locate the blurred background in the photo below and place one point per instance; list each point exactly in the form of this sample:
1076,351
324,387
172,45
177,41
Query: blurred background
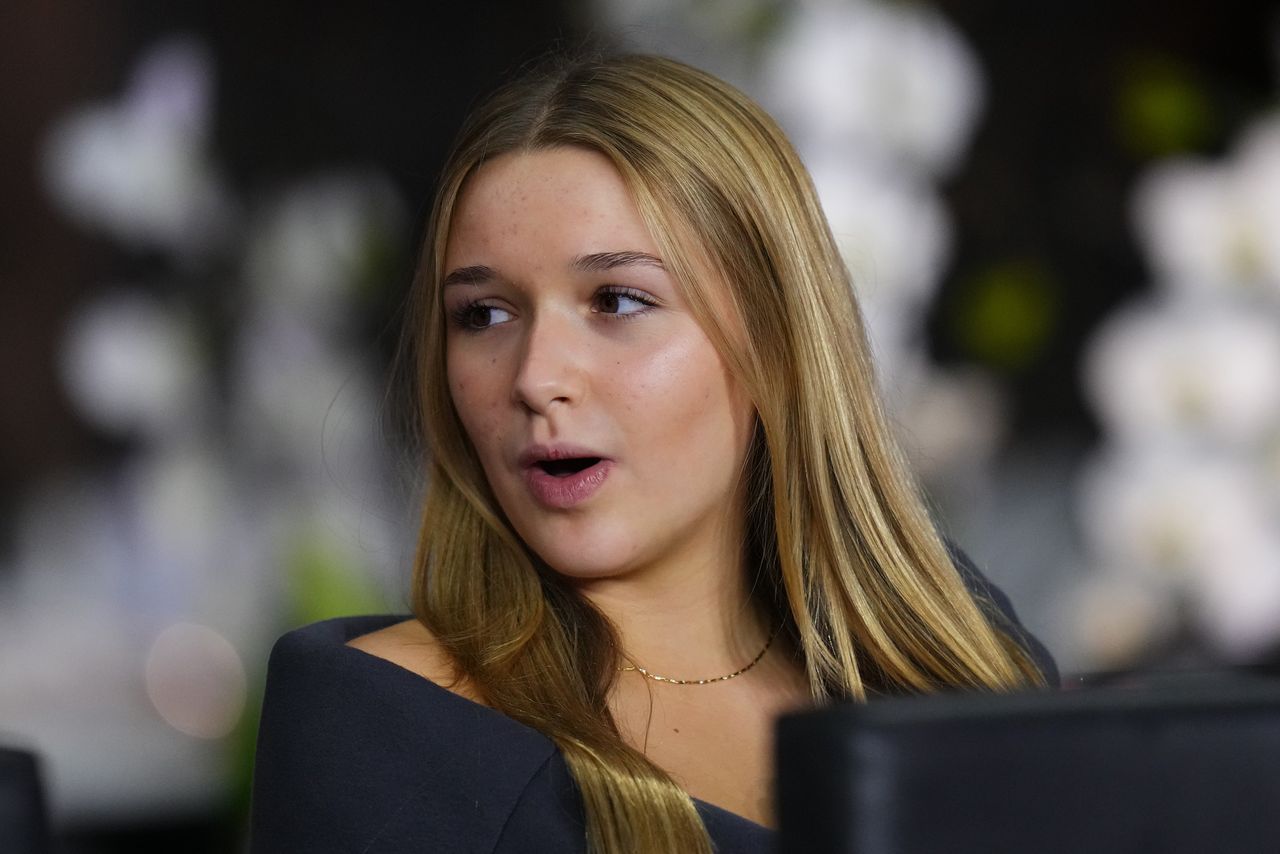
1063,220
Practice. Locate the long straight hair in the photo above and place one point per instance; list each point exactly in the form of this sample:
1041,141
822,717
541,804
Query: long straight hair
841,545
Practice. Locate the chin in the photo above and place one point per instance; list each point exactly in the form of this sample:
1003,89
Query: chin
588,543
585,558
579,566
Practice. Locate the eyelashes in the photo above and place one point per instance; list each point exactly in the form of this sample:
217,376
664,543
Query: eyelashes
616,303
613,297
475,316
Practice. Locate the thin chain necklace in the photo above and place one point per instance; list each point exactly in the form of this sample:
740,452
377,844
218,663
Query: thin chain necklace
656,678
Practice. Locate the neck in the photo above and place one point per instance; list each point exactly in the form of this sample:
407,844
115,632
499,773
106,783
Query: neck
689,618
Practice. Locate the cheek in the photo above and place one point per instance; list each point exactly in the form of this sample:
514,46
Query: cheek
692,405
473,394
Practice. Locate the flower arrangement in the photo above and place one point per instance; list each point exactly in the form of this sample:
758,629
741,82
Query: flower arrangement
249,484
1180,506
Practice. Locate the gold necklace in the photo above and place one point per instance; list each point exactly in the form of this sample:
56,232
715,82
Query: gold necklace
656,678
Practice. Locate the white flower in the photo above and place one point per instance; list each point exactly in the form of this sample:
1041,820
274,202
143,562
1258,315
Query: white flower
1189,369
892,78
892,229
1206,525
1190,387
1257,158
1214,226
171,87
953,419
130,364
1170,512
1185,215
1237,601
290,386
313,244
182,504
138,170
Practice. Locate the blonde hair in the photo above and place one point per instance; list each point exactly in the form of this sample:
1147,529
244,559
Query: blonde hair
843,549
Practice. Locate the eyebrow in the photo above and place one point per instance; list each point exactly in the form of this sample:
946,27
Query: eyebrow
596,262
600,261
475,275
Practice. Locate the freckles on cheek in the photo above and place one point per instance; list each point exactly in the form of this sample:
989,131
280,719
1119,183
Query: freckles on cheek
460,391
457,389
477,405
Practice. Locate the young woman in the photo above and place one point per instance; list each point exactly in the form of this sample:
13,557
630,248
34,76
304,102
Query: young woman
664,504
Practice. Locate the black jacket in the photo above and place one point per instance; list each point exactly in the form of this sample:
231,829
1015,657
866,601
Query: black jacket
356,754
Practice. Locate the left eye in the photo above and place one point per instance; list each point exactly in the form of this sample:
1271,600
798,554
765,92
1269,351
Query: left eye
619,302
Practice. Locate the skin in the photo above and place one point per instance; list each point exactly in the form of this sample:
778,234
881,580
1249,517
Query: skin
543,351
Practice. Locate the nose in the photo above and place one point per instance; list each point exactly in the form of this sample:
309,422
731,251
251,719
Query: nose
551,370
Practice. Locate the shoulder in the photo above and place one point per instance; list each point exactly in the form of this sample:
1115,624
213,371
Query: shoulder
357,752
411,645
999,609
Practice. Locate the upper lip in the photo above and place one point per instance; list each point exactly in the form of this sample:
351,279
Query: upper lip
535,454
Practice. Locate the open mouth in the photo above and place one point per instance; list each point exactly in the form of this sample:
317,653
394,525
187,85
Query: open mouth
568,466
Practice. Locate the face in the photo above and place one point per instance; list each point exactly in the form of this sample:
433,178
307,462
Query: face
609,428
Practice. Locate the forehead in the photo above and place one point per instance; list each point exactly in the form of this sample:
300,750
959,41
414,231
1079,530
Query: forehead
570,199
531,212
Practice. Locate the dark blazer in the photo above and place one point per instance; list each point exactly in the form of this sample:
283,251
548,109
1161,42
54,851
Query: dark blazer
356,754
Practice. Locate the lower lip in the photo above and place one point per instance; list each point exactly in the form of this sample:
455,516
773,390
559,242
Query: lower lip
564,492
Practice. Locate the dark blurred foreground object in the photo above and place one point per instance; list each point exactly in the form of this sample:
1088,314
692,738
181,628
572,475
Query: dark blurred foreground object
24,825
1174,765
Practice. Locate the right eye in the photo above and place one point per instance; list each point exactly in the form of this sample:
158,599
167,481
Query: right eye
478,315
